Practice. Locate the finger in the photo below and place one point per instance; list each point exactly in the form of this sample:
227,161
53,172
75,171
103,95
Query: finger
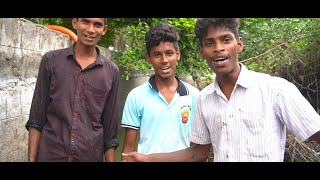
125,154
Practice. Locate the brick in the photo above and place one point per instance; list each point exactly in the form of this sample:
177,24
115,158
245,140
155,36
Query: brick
13,103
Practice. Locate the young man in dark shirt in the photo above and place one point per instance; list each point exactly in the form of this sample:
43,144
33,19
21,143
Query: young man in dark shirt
74,113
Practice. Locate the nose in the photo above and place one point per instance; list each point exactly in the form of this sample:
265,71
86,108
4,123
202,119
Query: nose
91,28
164,59
218,47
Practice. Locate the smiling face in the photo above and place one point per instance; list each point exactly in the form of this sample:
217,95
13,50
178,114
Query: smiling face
89,30
220,49
163,58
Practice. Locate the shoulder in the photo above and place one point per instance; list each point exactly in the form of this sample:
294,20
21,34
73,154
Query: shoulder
282,85
192,89
142,89
207,90
57,52
55,56
261,79
271,83
109,63
269,80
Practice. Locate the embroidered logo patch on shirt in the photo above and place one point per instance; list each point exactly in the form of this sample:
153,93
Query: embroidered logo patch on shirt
185,112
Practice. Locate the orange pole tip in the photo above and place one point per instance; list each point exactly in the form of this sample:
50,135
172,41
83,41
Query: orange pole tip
64,30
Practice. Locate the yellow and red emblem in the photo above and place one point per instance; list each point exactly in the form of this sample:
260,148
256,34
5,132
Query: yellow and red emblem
185,115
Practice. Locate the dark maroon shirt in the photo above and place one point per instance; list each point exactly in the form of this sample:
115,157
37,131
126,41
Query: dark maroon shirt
76,110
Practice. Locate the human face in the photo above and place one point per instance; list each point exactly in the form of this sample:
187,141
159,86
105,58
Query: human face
220,49
89,30
163,58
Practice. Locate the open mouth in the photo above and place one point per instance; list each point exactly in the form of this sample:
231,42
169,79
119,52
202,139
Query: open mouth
220,59
165,69
89,37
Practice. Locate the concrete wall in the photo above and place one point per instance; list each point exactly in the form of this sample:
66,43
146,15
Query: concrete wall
22,44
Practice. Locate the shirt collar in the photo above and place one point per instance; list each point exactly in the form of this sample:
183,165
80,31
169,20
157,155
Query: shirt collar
99,60
182,88
243,80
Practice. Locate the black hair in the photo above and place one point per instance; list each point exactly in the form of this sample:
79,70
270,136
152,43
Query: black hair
162,33
105,20
202,25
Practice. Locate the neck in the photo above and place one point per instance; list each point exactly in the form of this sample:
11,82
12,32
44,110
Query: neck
85,51
228,81
165,83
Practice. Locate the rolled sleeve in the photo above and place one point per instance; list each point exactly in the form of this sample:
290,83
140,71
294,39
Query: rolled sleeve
114,143
37,116
110,114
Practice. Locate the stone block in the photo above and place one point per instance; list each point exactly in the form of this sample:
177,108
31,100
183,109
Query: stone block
6,56
13,102
26,98
10,32
29,38
62,41
3,105
31,61
47,39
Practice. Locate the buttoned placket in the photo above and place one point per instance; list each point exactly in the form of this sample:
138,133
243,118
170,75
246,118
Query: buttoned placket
75,115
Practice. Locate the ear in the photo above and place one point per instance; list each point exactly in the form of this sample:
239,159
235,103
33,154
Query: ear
239,45
148,58
74,23
105,29
178,55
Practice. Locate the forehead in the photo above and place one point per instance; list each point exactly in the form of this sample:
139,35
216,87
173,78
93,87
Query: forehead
101,20
163,46
218,31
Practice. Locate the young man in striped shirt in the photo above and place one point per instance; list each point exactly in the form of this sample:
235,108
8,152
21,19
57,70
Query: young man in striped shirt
244,114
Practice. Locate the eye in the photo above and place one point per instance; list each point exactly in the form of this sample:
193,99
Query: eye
170,53
84,21
98,25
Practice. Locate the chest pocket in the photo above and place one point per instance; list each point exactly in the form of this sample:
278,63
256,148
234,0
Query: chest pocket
253,120
255,133
95,99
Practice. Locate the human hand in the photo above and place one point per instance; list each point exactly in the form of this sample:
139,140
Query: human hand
133,157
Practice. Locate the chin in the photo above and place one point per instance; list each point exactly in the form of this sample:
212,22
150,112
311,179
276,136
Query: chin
166,76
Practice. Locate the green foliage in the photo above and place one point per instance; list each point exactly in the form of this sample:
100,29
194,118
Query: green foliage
190,63
130,50
131,55
268,42
267,39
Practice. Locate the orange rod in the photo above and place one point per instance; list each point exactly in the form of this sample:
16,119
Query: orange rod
64,30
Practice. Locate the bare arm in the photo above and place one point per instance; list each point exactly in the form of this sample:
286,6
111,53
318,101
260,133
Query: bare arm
109,155
33,144
195,153
316,137
129,141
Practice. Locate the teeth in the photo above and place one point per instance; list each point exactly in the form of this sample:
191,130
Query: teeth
220,59
165,68
89,37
